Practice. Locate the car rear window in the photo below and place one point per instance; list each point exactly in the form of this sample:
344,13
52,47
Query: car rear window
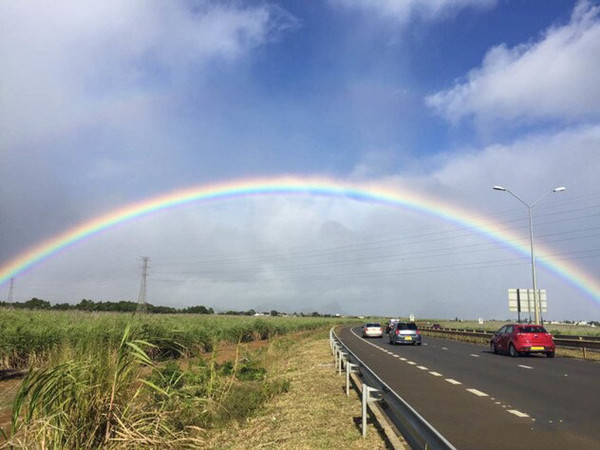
532,329
407,326
369,325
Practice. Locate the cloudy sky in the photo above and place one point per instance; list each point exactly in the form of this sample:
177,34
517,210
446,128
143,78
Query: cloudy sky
107,103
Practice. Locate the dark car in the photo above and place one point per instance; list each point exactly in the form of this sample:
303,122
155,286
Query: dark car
404,333
523,339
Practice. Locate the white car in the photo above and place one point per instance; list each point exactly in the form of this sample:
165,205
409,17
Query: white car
372,329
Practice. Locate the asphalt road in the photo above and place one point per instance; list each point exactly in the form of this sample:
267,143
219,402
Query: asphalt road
478,400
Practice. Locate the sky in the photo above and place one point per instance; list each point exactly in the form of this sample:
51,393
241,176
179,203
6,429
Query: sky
105,104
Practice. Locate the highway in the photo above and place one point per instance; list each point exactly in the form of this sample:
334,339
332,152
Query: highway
478,400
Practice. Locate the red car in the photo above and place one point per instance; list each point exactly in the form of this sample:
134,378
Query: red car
522,339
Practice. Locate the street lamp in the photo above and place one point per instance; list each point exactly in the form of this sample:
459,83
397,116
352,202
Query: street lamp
530,208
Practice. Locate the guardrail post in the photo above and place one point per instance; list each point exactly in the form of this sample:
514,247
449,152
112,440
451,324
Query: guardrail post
350,368
336,353
369,394
582,347
343,358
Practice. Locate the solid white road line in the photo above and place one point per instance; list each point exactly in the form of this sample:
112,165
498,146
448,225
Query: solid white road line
477,393
517,413
451,381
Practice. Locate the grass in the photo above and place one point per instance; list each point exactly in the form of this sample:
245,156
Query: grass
314,413
285,395
28,337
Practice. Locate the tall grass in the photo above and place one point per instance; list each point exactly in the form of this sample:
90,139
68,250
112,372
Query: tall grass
103,397
28,337
86,400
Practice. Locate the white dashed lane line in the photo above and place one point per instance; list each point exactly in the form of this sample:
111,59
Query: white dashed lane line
477,393
455,382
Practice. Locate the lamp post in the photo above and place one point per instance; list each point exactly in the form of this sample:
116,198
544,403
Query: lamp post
530,207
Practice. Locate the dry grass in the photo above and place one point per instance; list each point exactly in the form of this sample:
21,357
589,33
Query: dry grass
314,413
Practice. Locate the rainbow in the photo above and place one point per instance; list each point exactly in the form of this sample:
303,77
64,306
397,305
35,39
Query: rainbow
409,200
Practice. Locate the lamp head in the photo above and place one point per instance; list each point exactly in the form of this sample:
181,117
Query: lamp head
559,189
499,188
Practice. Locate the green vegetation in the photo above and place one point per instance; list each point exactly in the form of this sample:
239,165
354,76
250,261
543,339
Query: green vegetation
128,381
90,305
28,337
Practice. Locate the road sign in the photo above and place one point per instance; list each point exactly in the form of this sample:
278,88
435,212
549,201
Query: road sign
523,300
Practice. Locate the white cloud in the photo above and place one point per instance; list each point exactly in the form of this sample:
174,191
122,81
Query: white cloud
63,61
404,10
554,78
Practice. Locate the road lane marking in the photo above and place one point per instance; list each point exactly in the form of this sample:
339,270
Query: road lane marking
436,374
396,356
422,368
451,381
444,348
525,367
518,413
477,393
474,356
402,359
412,363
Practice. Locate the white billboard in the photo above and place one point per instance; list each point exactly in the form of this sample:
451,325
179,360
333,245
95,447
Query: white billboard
523,300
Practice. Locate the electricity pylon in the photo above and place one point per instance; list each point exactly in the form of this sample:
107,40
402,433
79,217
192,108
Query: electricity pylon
142,306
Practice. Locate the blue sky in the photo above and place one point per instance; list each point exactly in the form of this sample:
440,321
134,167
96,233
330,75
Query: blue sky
104,104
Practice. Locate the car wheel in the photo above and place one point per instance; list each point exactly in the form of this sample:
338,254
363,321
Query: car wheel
550,354
512,351
494,348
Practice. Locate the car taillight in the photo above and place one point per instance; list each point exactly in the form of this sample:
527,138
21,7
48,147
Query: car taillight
418,332
397,331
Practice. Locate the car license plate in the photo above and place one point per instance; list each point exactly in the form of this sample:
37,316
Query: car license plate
408,338
537,348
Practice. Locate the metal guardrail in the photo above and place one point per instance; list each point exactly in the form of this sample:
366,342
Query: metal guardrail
560,341
417,432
